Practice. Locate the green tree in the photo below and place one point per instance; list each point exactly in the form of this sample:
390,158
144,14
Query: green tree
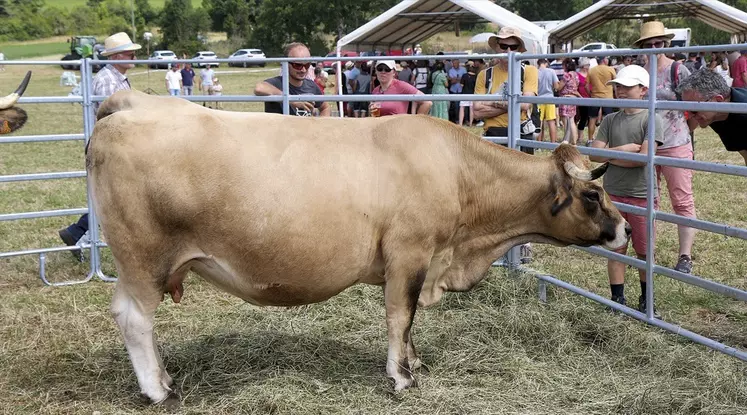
181,25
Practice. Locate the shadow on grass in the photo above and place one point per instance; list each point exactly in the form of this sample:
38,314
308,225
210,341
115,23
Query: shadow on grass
219,366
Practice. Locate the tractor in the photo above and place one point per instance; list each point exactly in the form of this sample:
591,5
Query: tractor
83,47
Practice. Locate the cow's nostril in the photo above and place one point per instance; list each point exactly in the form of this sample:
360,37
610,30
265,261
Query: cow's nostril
628,229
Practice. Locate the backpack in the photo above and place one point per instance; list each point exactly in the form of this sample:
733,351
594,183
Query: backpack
534,116
421,77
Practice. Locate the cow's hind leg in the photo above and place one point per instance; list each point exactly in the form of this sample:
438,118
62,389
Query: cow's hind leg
134,306
401,296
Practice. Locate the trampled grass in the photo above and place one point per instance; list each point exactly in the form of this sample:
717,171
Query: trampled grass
494,350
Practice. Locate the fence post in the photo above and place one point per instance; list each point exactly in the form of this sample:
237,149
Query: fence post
650,182
286,87
513,256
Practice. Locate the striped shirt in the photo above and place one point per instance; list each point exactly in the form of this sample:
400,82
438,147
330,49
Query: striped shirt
108,81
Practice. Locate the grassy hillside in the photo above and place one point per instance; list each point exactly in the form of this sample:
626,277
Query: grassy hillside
73,3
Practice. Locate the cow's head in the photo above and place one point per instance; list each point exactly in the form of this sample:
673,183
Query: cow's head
580,212
12,118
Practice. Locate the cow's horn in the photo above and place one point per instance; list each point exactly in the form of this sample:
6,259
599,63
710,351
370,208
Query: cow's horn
11,99
577,173
599,171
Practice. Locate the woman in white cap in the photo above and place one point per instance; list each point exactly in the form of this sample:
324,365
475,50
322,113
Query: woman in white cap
110,79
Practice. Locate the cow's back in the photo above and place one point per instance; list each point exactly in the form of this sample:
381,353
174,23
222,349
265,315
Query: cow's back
280,196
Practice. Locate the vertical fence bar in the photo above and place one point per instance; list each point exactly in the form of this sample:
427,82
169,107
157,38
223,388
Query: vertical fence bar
89,118
286,87
513,255
651,181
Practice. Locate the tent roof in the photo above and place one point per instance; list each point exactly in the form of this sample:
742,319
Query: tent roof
413,21
712,12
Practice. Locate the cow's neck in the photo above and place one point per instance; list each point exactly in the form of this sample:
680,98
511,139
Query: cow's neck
502,192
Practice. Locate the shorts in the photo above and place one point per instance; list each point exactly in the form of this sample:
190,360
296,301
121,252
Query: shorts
637,223
465,104
547,112
594,111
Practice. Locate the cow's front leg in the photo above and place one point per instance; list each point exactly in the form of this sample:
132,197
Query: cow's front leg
401,296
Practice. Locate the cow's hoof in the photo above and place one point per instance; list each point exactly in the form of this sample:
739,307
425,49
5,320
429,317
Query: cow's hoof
171,403
404,383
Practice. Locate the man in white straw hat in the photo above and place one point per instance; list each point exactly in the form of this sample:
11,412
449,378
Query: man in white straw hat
110,79
494,80
677,137
625,181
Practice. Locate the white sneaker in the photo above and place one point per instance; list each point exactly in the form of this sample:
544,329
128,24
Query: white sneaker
480,123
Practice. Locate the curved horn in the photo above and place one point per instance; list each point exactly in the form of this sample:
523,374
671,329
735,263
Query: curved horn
599,171
11,99
577,173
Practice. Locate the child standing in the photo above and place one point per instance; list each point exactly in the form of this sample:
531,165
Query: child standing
625,181
217,90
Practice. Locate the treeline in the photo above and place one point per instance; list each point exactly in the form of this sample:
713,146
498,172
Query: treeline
269,24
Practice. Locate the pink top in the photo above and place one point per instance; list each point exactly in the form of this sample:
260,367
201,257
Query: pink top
582,86
396,88
737,69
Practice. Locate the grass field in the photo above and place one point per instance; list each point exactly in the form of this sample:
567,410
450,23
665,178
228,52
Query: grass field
495,350
21,51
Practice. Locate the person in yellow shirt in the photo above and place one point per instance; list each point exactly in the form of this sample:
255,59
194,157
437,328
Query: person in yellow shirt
598,79
494,80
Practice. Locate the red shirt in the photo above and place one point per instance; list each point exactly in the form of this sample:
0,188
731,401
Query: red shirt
582,86
396,88
737,69
320,84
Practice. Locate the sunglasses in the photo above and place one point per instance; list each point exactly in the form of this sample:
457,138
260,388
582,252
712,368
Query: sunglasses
658,44
383,68
504,46
298,66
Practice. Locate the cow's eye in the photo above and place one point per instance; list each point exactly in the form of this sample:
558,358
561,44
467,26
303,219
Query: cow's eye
592,195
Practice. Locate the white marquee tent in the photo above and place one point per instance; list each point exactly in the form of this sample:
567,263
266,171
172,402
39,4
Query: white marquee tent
413,21
712,12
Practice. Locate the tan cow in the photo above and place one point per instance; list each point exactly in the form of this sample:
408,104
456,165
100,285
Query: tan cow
13,118
284,211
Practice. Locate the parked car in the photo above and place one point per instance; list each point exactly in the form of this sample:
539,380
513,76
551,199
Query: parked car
247,57
163,57
205,55
595,46
329,66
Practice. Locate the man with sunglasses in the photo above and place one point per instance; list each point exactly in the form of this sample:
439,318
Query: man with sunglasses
110,79
495,113
299,84
494,80
709,86
677,138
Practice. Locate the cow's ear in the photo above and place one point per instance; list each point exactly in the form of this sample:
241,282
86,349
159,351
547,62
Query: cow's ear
12,119
561,187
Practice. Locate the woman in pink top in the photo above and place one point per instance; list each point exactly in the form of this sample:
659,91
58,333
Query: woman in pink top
584,89
390,85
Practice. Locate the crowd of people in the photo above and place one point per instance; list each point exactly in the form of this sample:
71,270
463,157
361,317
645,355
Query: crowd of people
678,78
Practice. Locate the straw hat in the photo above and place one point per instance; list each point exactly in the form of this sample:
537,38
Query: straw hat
651,30
117,43
505,33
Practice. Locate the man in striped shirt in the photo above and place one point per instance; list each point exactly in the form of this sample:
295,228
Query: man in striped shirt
109,80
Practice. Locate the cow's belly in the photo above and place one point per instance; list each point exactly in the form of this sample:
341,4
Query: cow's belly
276,284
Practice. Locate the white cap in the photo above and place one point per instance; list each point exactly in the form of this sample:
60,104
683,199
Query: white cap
631,75
389,63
